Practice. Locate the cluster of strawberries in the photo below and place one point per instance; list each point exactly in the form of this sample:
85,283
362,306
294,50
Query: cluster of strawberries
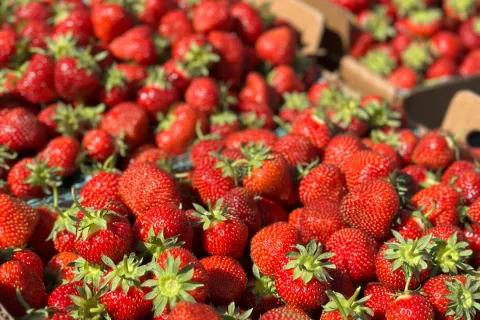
417,42
344,213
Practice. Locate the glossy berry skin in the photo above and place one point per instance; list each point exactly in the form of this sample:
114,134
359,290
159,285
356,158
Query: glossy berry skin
237,139
371,207
38,241
277,46
193,311
20,129
436,291
242,205
58,265
226,238
284,313
37,82
60,299
125,306
354,252
62,153
269,246
103,184
442,200
325,181
457,168
340,149
99,145
210,183
410,306
313,127
296,149
380,299
433,151
226,279
468,184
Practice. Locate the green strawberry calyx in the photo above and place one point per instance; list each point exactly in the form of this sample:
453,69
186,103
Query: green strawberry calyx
404,7
451,256
331,96
412,256
223,118
347,110
379,62
87,305
226,99
72,121
426,17
170,285
86,272
476,25
43,176
115,78
304,169
157,77
401,182
255,155
349,309
417,56
309,262
380,115
156,244
125,275
65,222
464,298
5,155
198,60
261,286
31,313
296,101
234,313
252,120
212,215
230,168
379,25
391,137
462,8
62,46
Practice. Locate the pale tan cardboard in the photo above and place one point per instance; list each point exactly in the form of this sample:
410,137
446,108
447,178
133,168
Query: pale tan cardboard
463,114
305,18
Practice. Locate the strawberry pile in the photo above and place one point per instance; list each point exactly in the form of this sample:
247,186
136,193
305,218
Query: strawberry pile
301,202
419,42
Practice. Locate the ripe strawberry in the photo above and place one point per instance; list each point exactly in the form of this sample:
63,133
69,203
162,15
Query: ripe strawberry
103,185
354,253
313,124
283,79
99,145
365,166
470,65
277,46
270,245
435,150
441,200
226,279
271,211
442,68
399,271
231,66
203,94
61,297
256,89
144,186
285,313
193,311
62,153
127,120
63,232
355,5
204,148
239,138
409,306
38,241
174,25
135,74
152,11
400,42
116,87
340,149
380,299
338,306
411,224
12,47
76,21
324,181
404,78
469,34
29,259
154,155
112,238
296,149
21,131
320,219
468,185
456,169
446,44
311,283
110,19
424,23
248,23
241,204
211,16
158,94
294,104
264,170
375,198
58,267
178,129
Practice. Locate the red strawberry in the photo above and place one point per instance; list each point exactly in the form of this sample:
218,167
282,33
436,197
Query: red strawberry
38,241
324,181
73,20
442,200
355,5
29,259
409,306
230,68
127,120
157,94
320,219
340,149
256,89
241,204
106,203
193,311
470,66
400,42
12,47
212,15
247,22
411,224
99,145
435,150
339,306
110,20
285,313
102,185
424,23
226,279
63,233
61,297
239,138
365,166
223,234
21,131
116,87
134,73
175,25
354,253
446,44
179,128
58,266
296,149
456,169
62,153
442,68
469,33
213,182
203,94
459,11
403,272
154,155
277,46
404,78
313,124
283,79
380,299
152,11
271,211
468,185
256,115
144,186
204,148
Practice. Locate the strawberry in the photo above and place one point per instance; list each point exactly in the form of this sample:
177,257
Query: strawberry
446,44
106,203
256,89
380,298
398,270
411,224
340,149
223,234
353,5
31,178
135,74
404,78
230,68
400,42
61,297
154,155
469,33
409,306
168,218
38,241
362,44
264,169
193,311
241,204
247,22
424,23
470,65
311,283
375,198
177,130
110,19
435,150
456,169
324,181
85,302
442,200
99,145
138,44
271,211
157,94
124,300
338,306
416,56
312,124
211,15
380,61
144,186
21,131
63,232
458,11
354,253
282,236
72,20
12,47
204,148
365,166
203,94
226,279
296,149
294,104
62,153
30,260
468,185
239,138
174,25
256,115
102,185
442,68
58,267
152,11
127,120
277,46
283,313
320,219
283,79
17,276
116,87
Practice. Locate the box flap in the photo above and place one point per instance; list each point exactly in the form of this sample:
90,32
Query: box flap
306,19
463,114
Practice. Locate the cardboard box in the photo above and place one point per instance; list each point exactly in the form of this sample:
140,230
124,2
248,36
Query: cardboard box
425,105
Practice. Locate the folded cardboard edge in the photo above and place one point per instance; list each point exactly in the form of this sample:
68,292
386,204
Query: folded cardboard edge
304,17
463,114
